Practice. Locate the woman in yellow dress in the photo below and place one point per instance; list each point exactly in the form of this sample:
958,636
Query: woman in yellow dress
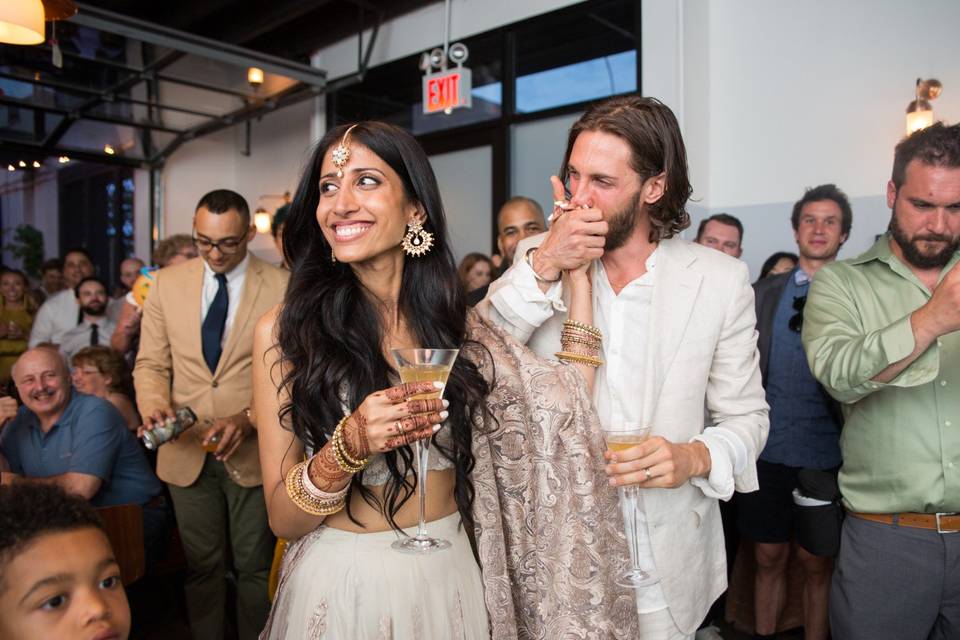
16,319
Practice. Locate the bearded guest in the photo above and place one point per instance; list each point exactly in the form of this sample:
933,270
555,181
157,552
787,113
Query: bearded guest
677,320
882,334
95,328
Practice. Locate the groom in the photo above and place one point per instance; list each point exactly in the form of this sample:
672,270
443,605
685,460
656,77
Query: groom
678,327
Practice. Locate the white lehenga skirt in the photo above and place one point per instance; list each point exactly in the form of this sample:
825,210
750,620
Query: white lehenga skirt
338,585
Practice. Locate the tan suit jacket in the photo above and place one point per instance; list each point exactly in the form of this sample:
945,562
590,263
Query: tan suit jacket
171,371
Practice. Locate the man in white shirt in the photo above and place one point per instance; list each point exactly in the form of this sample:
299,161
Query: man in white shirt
678,329
95,327
61,312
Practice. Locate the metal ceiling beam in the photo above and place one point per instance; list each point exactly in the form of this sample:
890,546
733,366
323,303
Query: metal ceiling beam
105,95
39,150
86,91
68,114
97,18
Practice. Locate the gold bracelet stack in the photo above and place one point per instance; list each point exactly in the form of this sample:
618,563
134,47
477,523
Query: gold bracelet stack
344,460
308,497
580,343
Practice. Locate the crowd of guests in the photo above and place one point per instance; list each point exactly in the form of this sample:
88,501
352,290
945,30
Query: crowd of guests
806,414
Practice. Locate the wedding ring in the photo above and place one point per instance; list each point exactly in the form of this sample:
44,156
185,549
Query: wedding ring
400,429
561,203
647,474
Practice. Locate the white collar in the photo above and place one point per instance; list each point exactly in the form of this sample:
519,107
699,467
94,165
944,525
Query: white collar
237,272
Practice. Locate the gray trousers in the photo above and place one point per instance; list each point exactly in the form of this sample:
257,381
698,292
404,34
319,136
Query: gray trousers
895,582
208,511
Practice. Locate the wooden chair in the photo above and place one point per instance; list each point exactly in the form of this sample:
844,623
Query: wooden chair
124,525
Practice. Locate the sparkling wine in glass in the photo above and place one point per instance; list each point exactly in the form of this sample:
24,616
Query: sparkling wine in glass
621,437
423,365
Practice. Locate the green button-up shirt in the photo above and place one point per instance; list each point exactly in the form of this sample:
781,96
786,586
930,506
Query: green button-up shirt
900,440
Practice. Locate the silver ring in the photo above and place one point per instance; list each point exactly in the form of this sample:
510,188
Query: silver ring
400,429
648,475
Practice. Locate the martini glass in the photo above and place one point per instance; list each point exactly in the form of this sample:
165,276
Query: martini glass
620,437
423,365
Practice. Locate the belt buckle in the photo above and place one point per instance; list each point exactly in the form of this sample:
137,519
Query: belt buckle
941,529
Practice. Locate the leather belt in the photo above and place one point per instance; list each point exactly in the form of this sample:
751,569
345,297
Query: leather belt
939,522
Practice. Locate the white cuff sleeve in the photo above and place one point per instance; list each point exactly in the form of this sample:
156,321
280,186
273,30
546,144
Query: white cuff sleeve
520,301
728,457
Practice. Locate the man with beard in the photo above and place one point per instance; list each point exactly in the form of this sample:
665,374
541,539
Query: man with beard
804,421
59,313
677,324
882,334
95,328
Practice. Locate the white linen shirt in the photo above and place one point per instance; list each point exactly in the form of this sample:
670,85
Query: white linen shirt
618,388
56,316
235,279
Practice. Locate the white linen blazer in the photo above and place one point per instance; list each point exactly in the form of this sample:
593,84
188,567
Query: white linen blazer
701,351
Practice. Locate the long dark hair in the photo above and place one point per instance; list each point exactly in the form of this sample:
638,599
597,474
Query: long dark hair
330,332
656,146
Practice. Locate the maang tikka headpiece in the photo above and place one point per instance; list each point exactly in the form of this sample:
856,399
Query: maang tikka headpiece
342,153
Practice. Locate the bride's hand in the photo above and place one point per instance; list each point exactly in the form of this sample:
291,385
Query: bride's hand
389,419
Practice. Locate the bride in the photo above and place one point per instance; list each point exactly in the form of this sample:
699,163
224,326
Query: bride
515,477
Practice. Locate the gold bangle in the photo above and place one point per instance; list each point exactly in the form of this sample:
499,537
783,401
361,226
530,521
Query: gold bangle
567,356
344,460
343,449
341,461
573,324
590,342
307,503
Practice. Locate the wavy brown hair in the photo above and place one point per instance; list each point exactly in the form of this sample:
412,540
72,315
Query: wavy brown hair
656,146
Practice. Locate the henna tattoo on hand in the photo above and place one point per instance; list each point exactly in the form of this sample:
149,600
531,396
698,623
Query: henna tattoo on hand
355,439
420,405
324,471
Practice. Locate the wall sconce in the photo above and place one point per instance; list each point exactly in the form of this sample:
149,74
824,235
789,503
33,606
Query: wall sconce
21,22
262,220
919,111
255,77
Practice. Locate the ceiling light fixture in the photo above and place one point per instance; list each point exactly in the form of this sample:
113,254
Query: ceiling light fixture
919,111
21,22
107,149
255,77
63,159
22,164
10,167
36,164
262,220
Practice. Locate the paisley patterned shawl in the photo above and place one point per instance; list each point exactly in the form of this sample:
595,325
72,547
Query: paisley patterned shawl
548,526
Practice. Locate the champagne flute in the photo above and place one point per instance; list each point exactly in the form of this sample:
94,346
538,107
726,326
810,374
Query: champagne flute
621,437
423,365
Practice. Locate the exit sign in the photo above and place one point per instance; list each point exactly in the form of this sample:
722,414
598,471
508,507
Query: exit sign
447,90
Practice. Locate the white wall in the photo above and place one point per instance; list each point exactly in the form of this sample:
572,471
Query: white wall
422,30
279,146
774,97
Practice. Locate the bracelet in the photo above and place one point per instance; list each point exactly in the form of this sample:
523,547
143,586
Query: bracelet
301,497
527,258
567,356
316,491
344,461
573,324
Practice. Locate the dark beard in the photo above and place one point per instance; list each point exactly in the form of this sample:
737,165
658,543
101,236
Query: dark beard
622,224
95,310
911,246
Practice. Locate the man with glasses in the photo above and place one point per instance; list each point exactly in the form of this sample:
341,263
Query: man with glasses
195,351
882,334
804,421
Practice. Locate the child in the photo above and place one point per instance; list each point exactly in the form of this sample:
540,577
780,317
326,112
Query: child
58,574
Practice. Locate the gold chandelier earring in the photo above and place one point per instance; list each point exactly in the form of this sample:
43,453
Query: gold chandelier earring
418,241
